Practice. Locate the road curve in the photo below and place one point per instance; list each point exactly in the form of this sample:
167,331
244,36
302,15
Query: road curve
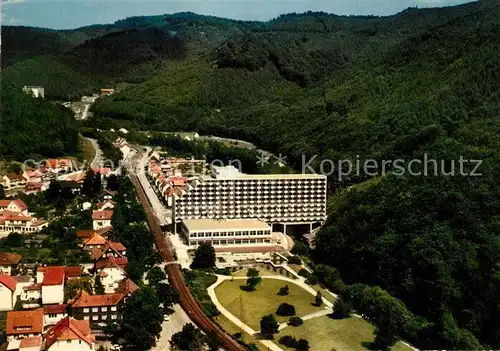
187,301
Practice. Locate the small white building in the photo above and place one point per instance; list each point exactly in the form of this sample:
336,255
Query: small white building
36,91
52,314
8,296
53,285
101,219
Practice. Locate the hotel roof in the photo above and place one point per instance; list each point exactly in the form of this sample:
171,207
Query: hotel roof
225,224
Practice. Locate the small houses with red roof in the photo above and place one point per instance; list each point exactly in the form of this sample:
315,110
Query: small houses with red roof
24,324
33,343
52,314
70,334
97,308
58,165
9,262
111,270
8,296
101,219
53,285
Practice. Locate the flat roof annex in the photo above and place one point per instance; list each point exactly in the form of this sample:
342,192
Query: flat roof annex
202,225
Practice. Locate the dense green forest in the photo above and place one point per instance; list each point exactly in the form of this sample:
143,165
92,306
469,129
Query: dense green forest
422,84
34,128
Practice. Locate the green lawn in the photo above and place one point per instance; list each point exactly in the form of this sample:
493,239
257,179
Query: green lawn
327,334
88,150
231,328
262,272
250,307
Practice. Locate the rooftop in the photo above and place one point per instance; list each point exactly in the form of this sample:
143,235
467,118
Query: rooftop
10,258
69,329
86,300
225,224
103,215
8,282
231,172
25,322
53,275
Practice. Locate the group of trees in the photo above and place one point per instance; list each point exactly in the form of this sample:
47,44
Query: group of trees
291,342
34,128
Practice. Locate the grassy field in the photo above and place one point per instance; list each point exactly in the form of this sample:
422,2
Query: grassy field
262,272
250,307
327,334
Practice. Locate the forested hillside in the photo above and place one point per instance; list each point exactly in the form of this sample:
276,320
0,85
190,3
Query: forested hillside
34,128
420,84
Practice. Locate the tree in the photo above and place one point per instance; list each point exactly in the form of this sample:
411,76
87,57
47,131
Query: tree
252,272
285,309
112,183
284,290
318,299
269,325
299,248
204,257
295,260
289,341
342,308
118,219
188,339
302,345
167,295
295,321
99,288
141,319
88,183
14,240
97,184
155,276
74,286
2,192
252,283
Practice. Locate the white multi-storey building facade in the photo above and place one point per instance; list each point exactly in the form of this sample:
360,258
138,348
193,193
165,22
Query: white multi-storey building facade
272,198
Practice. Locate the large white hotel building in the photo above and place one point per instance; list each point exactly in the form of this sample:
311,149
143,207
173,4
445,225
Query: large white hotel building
286,199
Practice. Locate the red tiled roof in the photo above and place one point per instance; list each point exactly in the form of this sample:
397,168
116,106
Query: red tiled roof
95,239
20,204
9,258
25,322
33,341
38,222
14,176
126,286
86,300
54,309
110,261
96,215
104,230
53,276
4,203
33,287
116,246
19,218
69,329
85,233
8,281
72,271
102,170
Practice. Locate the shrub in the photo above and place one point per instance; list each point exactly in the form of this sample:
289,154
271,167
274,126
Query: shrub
342,308
288,341
294,260
302,345
285,309
312,280
304,273
284,290
295,321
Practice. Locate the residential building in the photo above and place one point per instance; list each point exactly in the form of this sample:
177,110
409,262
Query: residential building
34,188
32,293
35,91
97,308
24,324
14,217
107,91
53,285
285,199
126,287
9,262
59,165
8,295
226,232
52,314
85,233
13,181
70,334
33,343
110,272
101,219
105,205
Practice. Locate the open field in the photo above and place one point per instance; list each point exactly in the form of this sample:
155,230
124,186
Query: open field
327,334
88,150
250,307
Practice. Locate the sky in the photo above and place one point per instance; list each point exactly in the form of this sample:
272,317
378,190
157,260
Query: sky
67,14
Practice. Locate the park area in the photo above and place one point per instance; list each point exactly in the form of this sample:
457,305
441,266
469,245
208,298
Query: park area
251,306
326,333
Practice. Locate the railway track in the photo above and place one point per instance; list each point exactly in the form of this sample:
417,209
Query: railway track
176,279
